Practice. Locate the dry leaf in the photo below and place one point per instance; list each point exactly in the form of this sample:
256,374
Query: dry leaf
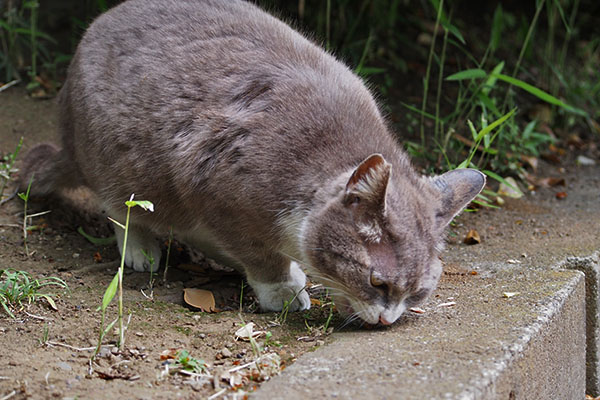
417,310
472,237
199,298
169,354
448,304
508,295
247,331
531,160
561,195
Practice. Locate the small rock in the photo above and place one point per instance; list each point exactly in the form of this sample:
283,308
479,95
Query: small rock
104,352
226,353
114,350
139,334
320,342
76,255
64,366
585,161
510,188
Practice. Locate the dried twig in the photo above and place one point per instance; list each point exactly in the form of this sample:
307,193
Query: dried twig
8,396
38,317
2,89
219,393
51,343
193,374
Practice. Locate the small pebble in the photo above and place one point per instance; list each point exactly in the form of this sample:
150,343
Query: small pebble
76,255
64,366
226,353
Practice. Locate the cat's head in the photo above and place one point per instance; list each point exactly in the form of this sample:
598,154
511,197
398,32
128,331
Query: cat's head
375,244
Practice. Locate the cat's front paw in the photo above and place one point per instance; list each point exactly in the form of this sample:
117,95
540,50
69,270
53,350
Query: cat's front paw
143,252
275,296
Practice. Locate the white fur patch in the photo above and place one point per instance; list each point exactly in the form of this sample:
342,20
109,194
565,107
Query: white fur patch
293,226
372,314
273,296
138,240
371,231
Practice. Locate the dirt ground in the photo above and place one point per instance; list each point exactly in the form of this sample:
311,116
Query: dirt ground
46,353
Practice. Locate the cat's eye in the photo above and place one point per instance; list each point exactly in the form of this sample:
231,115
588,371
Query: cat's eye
353,200
376,279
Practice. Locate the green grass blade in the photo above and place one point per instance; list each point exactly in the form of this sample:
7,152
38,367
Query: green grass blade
494,124
540,94
491,80
474,73
111,290
414,109
95,240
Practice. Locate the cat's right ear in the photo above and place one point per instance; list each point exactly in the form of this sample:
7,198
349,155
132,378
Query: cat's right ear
457,188
368,183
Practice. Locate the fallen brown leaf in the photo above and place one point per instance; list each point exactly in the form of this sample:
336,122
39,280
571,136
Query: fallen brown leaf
199,298
561,195
472,237
531,160
545,182
169,354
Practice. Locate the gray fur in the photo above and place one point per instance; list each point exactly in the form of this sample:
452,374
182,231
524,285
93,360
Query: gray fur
248,139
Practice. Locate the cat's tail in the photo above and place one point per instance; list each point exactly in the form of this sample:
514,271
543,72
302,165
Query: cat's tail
47,169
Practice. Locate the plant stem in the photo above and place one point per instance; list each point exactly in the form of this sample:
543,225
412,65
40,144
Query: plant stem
33,23
121,269
328,26
524,48
428,71
439,125
168,255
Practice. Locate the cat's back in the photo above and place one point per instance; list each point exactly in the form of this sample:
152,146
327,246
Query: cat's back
194,42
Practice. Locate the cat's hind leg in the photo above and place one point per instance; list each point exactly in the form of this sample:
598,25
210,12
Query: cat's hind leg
143,251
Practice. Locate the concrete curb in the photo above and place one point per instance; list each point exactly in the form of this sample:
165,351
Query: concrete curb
590,266
509,349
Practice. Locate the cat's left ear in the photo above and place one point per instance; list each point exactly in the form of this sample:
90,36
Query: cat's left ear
369,181
457,188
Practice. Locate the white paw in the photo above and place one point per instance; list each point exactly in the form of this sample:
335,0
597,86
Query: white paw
274,296
139,243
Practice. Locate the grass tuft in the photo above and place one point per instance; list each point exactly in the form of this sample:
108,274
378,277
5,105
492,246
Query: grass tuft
19,287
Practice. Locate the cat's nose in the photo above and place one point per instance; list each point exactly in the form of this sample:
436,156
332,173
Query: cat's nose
384,321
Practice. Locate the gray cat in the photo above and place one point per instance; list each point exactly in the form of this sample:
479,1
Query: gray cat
257,147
